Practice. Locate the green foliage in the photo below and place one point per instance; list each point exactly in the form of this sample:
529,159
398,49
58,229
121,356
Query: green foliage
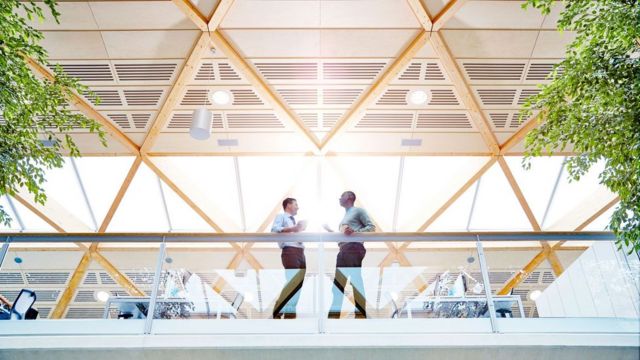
593,104
36,115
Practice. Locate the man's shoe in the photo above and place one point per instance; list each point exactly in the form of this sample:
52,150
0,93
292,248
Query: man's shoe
334,315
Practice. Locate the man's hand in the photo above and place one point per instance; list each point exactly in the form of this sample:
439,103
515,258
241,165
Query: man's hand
348,231
326,227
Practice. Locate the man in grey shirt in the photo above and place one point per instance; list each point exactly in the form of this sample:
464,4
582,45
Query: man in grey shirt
350,256
293,260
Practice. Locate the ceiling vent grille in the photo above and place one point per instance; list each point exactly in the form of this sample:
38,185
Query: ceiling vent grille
83,296
145,72
340,96
206,72
497,96
106,279
122,120
107,98
499,119
351,71
494,71
244,121
227,73
141,278
84,313
412,72
329,119
142,97
35,278
310,119
443,97
11,278
299,96
432,72
533,278
548,277
443,121
183,121
382,120
90,279
515,121
245,98
196,97
540,71
525,94
288,71
140,121
393,97
88,72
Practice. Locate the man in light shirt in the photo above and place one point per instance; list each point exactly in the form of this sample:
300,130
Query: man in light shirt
293,260
350,256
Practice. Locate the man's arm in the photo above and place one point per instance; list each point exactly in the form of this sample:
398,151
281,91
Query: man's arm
369,226
278,225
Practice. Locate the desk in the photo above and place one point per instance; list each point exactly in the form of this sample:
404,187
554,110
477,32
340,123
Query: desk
128,304
456,306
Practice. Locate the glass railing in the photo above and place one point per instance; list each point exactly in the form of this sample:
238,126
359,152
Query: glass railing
318,283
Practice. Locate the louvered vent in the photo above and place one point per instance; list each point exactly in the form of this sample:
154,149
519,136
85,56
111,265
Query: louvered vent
376,120
548,277
10,294
533,278
43,313
444,97
106,279
84,296
140,120
329,119
120,119
107,98
183,121
90,279
515,121
142,97
227,73
11,278
288,71
245,98
412,72
47,295
47,277
145,72
497,96
351,71
499,277
196,97
393,97
493,71
499,119
340,96
433,72
443,121
525,94
84,313
310,119
206,72
540,71
299,96
88,72
142,278
244,121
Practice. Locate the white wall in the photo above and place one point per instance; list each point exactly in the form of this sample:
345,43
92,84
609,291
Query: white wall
602,282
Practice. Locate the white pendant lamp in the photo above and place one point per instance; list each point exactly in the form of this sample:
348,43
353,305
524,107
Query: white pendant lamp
201,124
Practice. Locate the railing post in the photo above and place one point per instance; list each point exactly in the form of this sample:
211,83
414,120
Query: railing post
321,315
154,292
4,250
487,285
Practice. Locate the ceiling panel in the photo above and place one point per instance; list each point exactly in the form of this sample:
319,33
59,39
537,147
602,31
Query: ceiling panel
495,15
74,16
490,43
149,44
552,44
129,15
74,45
205,7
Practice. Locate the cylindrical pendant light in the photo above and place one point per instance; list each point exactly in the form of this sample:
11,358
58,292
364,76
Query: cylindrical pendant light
201,124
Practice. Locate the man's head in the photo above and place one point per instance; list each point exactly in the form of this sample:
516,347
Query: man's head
347,199
290,205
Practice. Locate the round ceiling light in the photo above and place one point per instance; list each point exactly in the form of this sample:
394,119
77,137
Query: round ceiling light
221,97
534,295
417,97
101,296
